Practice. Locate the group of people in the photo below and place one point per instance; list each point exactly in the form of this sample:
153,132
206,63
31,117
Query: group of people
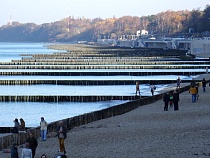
29,150
172,99
194,90
152,88
18,126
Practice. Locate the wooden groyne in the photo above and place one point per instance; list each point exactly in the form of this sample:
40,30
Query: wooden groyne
99,73
89,82
42,98
6,140
98,66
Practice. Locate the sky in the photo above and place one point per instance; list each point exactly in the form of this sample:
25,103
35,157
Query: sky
46,11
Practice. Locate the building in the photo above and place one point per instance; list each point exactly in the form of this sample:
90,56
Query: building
200,46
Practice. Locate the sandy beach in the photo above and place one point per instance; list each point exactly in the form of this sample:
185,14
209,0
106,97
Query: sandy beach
145,132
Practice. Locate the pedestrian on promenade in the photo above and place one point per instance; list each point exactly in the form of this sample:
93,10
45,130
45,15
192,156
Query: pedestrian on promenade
62,134
16,126
22,125
204,85
43,129
137,88
166,99
176,100
26,152
178,82
152,88
33,143
14,151
193,91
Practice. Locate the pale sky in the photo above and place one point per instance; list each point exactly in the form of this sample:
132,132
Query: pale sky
45,11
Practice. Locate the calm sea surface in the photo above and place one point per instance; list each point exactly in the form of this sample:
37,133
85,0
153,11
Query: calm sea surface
13,51
31,112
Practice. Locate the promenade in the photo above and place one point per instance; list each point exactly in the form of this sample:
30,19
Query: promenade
145,132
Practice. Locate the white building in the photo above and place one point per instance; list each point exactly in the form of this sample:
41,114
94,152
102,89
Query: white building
200,46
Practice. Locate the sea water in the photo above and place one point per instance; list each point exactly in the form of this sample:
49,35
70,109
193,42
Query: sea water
31,112
16,51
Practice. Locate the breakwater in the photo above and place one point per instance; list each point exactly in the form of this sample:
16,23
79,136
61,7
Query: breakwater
42,98
83,82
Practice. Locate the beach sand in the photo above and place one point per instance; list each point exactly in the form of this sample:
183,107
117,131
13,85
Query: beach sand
146,132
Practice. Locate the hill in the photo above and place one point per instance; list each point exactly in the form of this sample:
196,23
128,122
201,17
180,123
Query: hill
70,29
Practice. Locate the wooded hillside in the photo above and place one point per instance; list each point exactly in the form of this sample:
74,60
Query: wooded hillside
70,29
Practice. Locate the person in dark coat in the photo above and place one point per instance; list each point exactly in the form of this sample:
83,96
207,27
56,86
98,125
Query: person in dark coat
178,82
166,99
176,100
171,99
14,151
204,84
33,143
62,134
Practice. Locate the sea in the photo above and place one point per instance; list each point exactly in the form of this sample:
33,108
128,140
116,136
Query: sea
31,112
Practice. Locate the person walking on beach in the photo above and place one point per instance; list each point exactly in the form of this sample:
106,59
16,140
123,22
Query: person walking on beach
204,85
26,152
178,81
176,100
62,134
33,143
137,88
193,91
166,99
152,88
43,129
14,151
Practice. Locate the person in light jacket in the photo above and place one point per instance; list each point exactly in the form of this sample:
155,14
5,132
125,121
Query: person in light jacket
26,152
43,129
